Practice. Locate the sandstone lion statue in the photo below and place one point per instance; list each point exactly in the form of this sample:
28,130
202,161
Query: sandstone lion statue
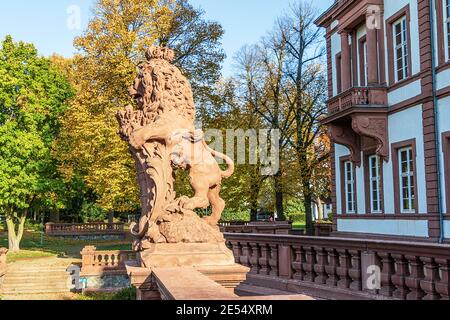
161,135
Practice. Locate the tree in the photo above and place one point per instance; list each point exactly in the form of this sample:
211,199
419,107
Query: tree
109,52
33,93
305,93
285,84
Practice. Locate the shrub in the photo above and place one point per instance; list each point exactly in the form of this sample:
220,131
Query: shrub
91,212
230,216
297,217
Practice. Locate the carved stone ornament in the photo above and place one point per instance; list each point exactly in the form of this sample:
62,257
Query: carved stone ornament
161,136
372,127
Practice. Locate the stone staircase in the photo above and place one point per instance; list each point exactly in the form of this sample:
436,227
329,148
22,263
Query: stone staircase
245,289
35,279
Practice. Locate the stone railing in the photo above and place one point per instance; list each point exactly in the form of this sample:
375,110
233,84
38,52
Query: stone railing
358,96
341,267
95,228
279,227
98,262
3,252
323,229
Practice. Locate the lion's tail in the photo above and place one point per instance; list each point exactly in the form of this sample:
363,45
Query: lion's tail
230,170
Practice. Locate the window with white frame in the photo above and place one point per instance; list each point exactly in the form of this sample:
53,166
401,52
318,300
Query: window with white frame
447,24
406,171
349,187
400,33
375,183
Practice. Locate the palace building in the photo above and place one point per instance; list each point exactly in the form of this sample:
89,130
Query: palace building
389,117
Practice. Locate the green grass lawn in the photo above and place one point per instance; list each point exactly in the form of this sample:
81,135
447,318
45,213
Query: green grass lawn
32,247
298,225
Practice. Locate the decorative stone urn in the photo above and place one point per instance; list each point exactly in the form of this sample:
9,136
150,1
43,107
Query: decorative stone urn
161,136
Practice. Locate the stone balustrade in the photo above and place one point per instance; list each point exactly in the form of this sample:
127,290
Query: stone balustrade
3,252
346,268
358,96
84,229
99,262
278,227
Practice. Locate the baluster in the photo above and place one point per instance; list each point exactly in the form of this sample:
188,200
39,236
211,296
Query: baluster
412,281
387,270
308,266
443,286
398,279
273,261
342,270
264,259
245,257
355,270
330,268
319,267
431,277
237,251
254,258
297,264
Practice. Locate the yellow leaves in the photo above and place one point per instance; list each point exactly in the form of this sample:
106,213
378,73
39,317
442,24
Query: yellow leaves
103,70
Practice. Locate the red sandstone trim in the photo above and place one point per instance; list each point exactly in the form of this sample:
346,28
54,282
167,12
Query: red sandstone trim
446,150
366,156
405,11
342,160
395,168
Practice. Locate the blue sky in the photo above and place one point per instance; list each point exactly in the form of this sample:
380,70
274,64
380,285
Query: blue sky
44,22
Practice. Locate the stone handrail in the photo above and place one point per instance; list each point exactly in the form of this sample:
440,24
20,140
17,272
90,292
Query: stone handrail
407,270
61,229
258,227
97,262
3,252
357,96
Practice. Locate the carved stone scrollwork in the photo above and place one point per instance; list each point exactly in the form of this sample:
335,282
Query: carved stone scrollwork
373,126
344,135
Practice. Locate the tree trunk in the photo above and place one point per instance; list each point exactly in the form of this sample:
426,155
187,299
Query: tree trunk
307,193
319,209
14,237
279,196
110,217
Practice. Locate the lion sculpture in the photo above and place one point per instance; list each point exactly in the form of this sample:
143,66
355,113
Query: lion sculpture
161,135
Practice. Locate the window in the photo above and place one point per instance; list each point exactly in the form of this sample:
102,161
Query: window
349,186
400,49
375,183
363,66
406,178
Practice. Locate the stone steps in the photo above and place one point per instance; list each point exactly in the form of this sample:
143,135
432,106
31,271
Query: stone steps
29,279
252,290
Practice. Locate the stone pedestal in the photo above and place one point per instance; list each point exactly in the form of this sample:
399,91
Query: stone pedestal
214,261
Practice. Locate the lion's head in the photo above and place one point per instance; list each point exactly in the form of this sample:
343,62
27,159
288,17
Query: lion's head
161,87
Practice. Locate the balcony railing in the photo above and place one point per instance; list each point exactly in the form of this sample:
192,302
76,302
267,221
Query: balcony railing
63,229
406,270
358,96
278,227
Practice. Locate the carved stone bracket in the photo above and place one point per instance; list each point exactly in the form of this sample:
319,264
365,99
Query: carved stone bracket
344,135
375,127
363,125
